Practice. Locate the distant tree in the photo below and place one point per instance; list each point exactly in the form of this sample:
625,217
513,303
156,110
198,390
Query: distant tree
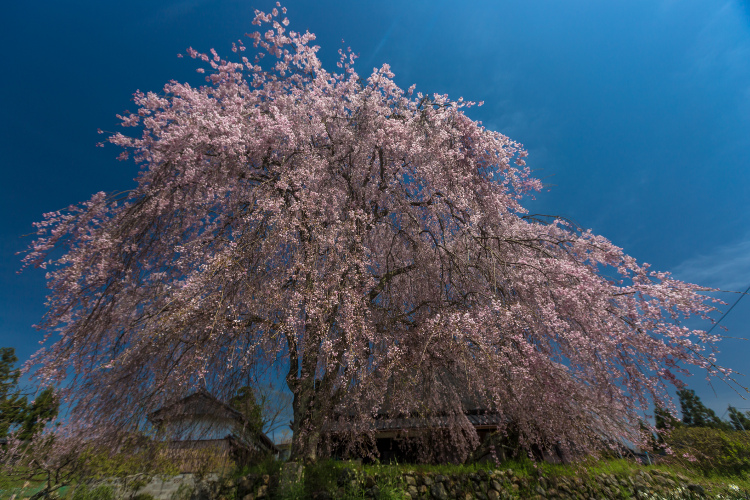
26,454
244,402
664,420
740,421
359,235
38,413
12,403
8,373
265,408
16,413
696,414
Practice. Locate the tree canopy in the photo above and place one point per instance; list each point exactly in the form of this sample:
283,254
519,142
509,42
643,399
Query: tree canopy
245,402
18,415
740,421
373,241
12,403
696,414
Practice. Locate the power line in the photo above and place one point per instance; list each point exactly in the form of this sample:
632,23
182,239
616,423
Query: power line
725,314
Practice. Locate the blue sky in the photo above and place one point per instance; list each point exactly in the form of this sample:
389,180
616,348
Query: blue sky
635,112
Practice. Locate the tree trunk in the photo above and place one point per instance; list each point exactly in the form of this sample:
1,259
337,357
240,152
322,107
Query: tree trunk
306,422
306,417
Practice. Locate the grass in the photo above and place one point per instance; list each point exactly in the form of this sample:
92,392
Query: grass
10,486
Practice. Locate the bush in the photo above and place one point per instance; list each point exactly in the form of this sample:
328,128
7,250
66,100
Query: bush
382,482
269,465
321,476
711,451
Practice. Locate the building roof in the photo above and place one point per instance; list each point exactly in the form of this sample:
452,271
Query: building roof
198,404
477,418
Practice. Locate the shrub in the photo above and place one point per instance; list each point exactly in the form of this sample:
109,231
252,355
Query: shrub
711,451
269,465
321,476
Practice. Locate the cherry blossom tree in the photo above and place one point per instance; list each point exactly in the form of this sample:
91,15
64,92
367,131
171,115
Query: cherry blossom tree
369,239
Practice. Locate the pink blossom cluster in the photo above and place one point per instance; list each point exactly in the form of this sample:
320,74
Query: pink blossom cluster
369,239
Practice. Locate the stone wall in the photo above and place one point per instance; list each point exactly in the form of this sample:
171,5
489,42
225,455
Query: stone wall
648,483
496,485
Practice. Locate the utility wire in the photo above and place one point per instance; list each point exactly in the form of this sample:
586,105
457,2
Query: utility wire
725,314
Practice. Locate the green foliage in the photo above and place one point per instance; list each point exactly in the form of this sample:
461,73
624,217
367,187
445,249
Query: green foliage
327,475
389,481
319,476
16,413
269,465
42,410
664,420
12,404
705,443
246,403
8,374
696,414
740,421
712,451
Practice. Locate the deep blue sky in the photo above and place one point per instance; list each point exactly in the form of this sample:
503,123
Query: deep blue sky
636,112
